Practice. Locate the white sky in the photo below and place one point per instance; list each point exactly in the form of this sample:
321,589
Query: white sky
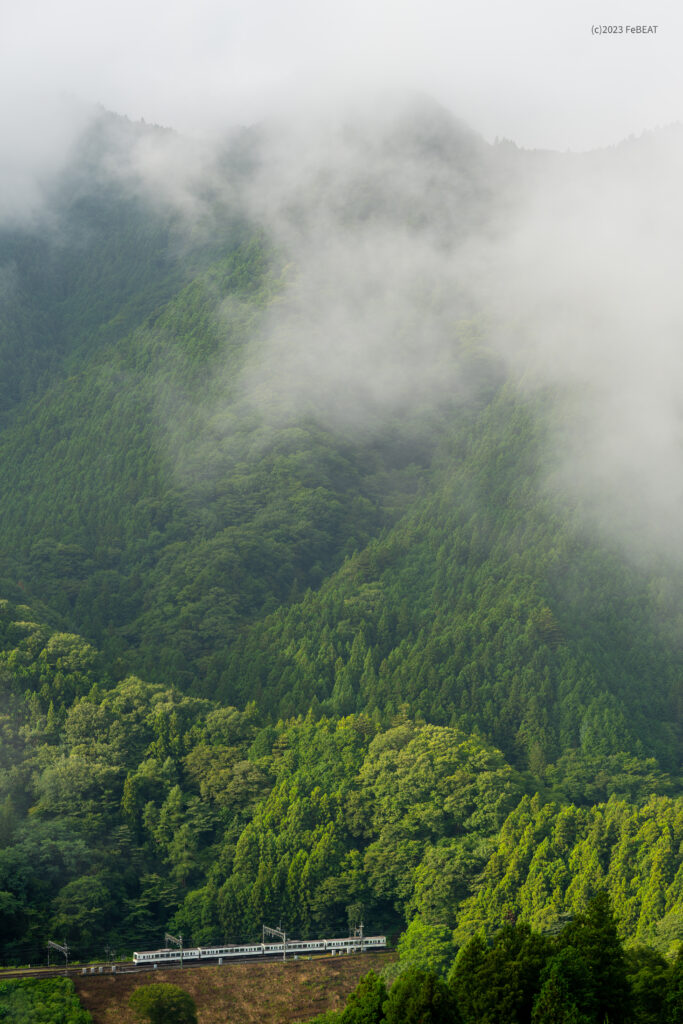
530,71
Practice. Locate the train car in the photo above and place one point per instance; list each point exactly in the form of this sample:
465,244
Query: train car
223,952
297,946
164,956
214,952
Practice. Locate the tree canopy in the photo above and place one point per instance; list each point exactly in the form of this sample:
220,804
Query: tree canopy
162,1003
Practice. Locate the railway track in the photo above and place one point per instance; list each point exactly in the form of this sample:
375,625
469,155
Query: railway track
125,967
108,970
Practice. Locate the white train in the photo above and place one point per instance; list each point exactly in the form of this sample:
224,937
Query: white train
293,946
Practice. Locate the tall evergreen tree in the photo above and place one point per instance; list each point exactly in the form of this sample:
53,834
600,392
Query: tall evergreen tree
594,937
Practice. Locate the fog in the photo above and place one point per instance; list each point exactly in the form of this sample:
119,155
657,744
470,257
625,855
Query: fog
583,289
531,72
369,207
397,223
38,134
400,224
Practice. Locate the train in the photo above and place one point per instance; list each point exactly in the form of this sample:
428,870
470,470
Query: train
296,947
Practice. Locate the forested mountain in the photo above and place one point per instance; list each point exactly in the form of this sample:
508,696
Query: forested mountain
298,623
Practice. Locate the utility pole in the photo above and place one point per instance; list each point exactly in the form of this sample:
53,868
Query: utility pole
358,933
176,942
64,950
276,934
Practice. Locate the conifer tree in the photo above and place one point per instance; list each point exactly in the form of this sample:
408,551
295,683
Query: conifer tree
420,997
594,937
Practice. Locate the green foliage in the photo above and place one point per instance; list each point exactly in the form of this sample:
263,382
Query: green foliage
593,936
497,984
426,947
565,990
673,1002
649,981
128,809
168,525
366,1002
32,1001
163,1004
550,860
158,509
419,997
581,975
275,665
347,822
565,986
498,615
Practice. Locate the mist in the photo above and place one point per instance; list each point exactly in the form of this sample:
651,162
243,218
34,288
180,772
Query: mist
369,207
582,290
396,225
38,138
529,72
401,224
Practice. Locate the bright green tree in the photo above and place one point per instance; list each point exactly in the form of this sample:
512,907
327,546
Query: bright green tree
427,947
364,1005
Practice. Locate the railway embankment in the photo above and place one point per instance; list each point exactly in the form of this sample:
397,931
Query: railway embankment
239,993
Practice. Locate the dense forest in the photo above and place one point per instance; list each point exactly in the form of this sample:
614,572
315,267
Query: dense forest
580,975
272,652
52,1001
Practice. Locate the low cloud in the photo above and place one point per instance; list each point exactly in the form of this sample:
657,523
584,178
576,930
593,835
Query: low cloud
396,223
582,286
38,142
400,225
370,207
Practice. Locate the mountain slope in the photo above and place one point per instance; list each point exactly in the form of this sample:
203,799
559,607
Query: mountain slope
262,448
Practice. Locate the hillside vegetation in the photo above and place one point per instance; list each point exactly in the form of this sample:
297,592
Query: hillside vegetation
266,656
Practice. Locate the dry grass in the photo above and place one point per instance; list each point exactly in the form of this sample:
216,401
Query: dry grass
246,993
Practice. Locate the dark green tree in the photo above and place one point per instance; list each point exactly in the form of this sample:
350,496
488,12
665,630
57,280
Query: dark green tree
163,1004
469,964
594,937
421,997
498,984
41,1001
673,1001
565,989
648,975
